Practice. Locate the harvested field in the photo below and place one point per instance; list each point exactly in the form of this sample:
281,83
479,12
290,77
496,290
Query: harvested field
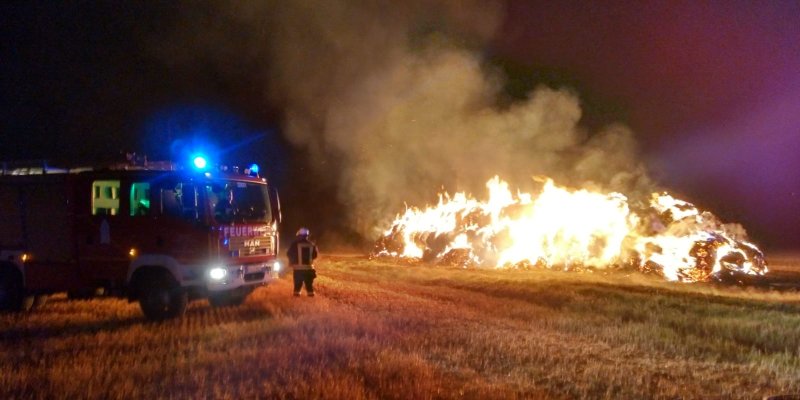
383,330
785,262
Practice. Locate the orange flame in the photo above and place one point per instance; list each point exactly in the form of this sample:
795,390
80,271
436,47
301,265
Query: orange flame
571,228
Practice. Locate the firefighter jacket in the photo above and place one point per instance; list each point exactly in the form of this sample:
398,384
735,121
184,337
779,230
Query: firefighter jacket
302,253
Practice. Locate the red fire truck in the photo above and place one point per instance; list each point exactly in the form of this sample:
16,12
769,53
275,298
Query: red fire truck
155,233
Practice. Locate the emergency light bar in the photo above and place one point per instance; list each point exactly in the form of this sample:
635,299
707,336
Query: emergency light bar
199,162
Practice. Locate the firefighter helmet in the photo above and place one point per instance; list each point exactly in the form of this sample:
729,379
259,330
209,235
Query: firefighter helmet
303,232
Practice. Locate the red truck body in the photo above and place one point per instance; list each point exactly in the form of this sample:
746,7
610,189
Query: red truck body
157,236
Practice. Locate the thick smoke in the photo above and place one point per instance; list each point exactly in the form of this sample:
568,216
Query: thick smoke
394,100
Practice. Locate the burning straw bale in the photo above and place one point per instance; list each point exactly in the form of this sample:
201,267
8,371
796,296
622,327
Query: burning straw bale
573,230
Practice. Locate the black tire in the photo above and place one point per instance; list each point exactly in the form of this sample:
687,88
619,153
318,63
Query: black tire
161,297
12,293
227,299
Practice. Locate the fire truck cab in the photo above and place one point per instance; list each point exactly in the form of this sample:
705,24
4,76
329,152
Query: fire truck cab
159,235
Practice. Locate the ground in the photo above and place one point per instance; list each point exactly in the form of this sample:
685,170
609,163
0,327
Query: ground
384,329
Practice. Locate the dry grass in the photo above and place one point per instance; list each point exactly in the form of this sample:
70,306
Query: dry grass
379,330
784,261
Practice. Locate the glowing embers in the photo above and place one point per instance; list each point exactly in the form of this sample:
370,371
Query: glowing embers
688,245
571,229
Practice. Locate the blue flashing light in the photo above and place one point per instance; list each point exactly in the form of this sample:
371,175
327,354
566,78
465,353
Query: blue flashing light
199,162
254,169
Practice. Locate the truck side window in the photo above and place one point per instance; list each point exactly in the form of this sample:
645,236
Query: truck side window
181,200
140,198
171,200
190,203
105,197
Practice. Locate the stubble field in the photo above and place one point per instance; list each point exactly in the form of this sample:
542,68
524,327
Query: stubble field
381,330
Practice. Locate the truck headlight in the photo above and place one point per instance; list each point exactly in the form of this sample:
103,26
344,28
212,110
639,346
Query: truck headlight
276,266
218,273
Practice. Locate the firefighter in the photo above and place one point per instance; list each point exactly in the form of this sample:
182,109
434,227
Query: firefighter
302,253
225,208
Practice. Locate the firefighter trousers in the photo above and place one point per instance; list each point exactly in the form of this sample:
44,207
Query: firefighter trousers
304,276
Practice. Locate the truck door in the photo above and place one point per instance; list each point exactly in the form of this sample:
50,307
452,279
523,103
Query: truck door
36,217
102,247
181,213
165,217
137,225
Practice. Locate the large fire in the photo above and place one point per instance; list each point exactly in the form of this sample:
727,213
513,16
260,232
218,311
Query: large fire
573,229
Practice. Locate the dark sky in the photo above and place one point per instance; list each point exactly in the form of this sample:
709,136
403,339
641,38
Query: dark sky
712,90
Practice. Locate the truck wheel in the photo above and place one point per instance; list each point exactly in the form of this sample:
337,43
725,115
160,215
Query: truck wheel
226,299
12,296
162,298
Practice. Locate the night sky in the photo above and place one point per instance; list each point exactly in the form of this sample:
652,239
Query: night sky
711,90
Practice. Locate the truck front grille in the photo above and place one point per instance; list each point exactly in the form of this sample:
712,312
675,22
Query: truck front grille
251,246
257,276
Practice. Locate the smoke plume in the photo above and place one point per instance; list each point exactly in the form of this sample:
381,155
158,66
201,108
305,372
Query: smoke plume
394,100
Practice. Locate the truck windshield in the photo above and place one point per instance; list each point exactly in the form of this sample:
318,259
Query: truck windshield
239,202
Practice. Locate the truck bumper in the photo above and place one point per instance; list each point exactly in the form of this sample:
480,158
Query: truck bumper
231,277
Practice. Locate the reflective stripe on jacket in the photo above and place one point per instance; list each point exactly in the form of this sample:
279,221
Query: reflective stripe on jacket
302,253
